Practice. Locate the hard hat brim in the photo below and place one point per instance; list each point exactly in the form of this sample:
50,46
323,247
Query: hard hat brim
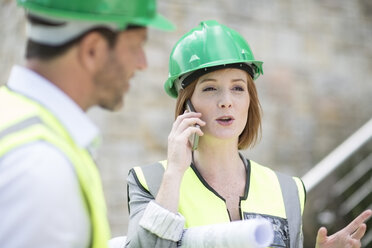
162,23
158,22
170,88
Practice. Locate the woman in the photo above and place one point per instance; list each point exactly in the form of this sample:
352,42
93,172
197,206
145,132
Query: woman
213,68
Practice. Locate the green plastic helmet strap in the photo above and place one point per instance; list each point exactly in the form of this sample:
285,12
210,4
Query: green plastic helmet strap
198,73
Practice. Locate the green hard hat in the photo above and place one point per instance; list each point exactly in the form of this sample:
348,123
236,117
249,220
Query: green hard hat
120,12
210,44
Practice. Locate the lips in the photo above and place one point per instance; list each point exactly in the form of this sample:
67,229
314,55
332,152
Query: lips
225,120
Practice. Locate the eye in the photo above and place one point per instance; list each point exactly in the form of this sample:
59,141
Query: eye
238,88
209,88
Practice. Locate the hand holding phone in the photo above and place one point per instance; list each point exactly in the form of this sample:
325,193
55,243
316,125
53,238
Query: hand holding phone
194,139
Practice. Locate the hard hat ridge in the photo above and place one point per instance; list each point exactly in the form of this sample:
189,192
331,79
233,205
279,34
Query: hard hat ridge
117,13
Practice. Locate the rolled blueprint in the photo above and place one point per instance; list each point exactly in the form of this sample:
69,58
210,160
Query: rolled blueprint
117,242
254,233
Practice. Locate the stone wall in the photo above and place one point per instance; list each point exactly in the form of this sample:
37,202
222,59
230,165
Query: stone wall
316,89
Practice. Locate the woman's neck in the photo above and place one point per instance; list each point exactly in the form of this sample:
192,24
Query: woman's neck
218,160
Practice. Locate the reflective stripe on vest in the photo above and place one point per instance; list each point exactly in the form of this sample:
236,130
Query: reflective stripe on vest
293,214
196,198
23,121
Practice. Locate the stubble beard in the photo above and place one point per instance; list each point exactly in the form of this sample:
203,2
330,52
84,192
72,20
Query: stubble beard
110,86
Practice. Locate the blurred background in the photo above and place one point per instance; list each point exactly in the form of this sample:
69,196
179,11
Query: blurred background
316,91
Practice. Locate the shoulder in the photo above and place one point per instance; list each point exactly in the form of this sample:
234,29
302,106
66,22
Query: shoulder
161,163
266,172
260,170
149,169
147,177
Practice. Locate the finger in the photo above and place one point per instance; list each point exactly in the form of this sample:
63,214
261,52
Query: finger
356,243
358,221
188,114
198,131
322,235
359,233
184,116
191,130
188,122
183,138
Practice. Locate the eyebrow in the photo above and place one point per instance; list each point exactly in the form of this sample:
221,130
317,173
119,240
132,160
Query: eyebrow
238,79
208,79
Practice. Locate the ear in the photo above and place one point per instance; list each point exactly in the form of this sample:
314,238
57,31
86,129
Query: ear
92,52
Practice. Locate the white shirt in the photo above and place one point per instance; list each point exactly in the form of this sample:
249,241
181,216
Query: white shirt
40,198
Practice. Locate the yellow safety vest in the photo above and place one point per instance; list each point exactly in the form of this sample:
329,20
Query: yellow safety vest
268,194
22,121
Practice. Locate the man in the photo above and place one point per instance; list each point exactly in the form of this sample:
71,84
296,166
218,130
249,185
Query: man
79,54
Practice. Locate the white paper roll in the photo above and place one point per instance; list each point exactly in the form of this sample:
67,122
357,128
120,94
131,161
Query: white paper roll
117,242
255,233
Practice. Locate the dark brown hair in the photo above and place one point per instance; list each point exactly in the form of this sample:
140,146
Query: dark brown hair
252,131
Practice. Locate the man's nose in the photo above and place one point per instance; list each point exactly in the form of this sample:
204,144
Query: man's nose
142,61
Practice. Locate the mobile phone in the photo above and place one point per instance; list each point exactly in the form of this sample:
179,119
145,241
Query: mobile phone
194,138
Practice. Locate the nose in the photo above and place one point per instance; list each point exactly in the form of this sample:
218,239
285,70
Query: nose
142,61
225,101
